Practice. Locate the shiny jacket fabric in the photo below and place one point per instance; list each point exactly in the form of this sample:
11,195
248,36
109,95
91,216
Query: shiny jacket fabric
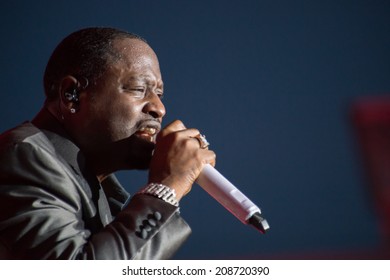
52,208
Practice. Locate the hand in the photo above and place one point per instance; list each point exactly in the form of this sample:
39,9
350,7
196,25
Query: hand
178,159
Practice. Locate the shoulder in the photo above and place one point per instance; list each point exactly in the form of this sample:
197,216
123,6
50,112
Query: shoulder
25,133
22,144
29,162
27,155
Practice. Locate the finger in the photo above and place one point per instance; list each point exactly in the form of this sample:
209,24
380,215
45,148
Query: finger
174,126
177,134
202,141
209,157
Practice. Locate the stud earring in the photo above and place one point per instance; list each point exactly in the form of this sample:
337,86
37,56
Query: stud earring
72,110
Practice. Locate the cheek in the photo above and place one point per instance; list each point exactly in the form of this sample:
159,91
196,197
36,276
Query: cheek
113,116
122,120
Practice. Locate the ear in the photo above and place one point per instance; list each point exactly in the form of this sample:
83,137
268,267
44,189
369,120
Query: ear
69,93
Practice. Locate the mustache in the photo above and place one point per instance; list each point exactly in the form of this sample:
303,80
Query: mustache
149,123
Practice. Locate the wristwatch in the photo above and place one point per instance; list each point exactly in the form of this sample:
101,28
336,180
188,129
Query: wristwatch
160,191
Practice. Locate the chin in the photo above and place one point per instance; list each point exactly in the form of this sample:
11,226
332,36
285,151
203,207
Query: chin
140,164
140,155
143,162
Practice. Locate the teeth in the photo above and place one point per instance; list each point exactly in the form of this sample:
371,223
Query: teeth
148,130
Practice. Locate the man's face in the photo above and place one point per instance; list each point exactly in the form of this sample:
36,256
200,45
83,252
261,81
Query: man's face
122,112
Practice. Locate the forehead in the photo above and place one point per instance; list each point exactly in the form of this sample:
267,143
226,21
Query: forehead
134,60
134,52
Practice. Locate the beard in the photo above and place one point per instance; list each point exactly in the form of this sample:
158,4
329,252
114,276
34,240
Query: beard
140,153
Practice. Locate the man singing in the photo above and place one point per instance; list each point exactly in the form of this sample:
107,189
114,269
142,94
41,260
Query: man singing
103,111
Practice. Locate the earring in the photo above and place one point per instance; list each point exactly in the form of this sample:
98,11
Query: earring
72,110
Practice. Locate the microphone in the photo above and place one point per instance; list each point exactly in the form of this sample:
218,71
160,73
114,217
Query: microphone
231,198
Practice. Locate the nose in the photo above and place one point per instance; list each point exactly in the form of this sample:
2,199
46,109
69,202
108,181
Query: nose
154,107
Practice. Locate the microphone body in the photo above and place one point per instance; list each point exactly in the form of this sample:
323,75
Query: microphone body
231,198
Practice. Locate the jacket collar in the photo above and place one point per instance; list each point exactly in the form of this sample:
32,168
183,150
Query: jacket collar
57,135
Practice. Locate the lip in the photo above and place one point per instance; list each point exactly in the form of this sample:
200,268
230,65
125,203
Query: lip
148,130
150,124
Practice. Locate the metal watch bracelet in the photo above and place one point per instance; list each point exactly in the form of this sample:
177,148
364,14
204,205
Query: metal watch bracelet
162,192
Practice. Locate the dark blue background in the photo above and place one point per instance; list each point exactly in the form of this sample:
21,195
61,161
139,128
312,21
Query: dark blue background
269,82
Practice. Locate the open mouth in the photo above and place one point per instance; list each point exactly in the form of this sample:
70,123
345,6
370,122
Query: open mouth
148,133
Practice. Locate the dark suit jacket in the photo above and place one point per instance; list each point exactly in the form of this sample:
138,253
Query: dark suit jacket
52,208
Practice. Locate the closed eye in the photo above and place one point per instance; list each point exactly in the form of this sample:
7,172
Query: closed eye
138,91
160,94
